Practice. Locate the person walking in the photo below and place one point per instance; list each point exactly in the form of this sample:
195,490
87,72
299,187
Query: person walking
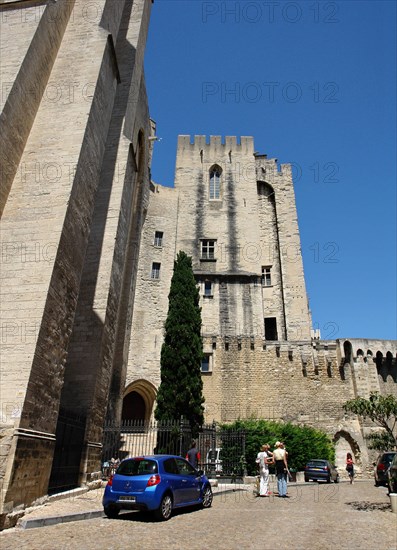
193,455
263,459
350,467
280,459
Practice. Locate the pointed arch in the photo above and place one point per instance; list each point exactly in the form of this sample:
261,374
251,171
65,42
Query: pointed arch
138,401
215,175
345,443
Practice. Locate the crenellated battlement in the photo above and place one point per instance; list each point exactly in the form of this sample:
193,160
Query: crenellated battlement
229,143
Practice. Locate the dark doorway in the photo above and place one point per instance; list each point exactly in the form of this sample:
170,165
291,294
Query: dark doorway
134,407
271,328
67,456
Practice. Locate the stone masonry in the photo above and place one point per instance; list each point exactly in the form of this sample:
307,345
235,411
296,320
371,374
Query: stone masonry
75,159
254,272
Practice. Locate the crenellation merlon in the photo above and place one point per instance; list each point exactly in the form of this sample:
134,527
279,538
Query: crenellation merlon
243,144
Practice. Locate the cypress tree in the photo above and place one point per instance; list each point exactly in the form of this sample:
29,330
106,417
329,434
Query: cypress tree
180,391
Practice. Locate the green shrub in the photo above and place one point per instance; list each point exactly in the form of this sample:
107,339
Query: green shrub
302,442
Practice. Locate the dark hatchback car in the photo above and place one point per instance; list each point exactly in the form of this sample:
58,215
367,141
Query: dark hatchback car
156,483
321,470
382,465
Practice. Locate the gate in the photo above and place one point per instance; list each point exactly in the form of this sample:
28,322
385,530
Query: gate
67,455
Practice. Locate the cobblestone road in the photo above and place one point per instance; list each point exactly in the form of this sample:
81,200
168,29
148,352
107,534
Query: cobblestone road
314,517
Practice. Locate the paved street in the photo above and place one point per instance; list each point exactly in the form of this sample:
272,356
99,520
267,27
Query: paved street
314,517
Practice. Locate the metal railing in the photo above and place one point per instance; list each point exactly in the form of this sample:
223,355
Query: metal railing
222,453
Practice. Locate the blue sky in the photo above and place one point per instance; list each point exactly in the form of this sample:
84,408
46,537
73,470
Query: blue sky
315,84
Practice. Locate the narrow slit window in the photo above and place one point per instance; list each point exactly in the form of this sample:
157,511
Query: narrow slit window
215,183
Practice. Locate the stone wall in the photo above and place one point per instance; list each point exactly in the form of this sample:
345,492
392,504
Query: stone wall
78,184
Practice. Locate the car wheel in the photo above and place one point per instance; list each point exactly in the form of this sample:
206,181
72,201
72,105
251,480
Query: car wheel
329,479
165,509
377,483
336,480
207,497
111,512
307,479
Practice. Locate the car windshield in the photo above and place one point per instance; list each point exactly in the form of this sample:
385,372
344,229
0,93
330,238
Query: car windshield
317,463
137,467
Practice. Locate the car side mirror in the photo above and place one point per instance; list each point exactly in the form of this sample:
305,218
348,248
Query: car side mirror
200,472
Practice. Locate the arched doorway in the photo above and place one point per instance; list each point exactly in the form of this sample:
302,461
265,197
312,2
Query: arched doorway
134,407
138,402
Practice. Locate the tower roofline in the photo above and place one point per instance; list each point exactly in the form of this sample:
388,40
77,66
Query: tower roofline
202,142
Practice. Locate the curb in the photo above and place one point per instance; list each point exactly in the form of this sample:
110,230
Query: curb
53,520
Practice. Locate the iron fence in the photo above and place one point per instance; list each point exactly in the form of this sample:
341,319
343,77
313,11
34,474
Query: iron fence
222,453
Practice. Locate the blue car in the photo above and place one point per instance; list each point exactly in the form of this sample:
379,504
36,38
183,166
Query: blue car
156,483
321,470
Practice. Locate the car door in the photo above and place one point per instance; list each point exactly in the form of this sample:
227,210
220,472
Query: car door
190,481
174,479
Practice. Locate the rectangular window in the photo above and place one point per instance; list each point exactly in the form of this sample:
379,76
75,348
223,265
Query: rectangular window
206,363
158,238
271,328
208,249
155,273
266,276
208,288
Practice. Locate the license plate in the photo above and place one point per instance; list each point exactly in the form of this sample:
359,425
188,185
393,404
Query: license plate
317,469
127,498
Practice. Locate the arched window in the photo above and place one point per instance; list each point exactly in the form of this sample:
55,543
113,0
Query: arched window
215,183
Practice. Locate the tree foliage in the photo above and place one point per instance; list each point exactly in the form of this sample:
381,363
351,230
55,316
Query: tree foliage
180,391
303,443
380,441
381,409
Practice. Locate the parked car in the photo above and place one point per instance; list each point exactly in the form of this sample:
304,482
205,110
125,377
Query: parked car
321,470
156,483
382,465
392,475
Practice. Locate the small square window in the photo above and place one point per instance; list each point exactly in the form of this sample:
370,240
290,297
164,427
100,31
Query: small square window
208,249
158,238
266,276
206,363
155,273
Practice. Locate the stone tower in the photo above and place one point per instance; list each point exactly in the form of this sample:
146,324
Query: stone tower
233,211
75,156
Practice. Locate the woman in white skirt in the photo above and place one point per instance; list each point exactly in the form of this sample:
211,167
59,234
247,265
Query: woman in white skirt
264,458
